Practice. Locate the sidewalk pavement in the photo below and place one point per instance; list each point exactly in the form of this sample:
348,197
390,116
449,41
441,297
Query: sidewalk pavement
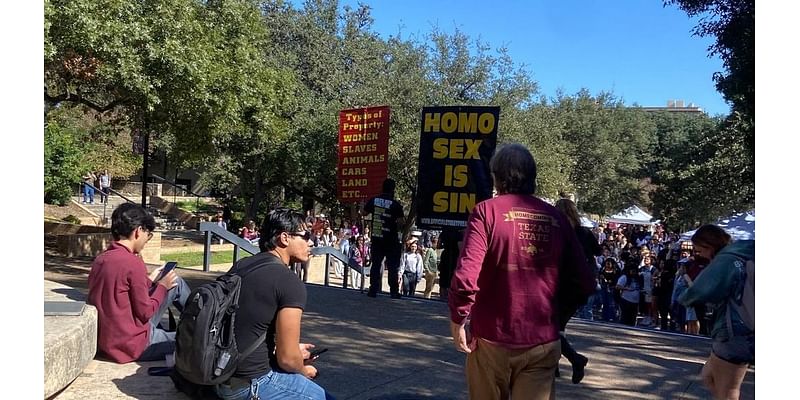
400,349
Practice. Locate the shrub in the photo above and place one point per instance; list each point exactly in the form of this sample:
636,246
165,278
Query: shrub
62,163
72,219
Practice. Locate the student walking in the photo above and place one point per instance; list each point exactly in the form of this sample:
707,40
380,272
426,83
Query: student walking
504,292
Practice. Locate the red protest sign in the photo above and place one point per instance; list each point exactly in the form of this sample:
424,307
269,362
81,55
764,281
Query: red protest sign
363,153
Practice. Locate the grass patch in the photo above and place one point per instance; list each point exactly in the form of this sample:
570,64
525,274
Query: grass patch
195,258
194,208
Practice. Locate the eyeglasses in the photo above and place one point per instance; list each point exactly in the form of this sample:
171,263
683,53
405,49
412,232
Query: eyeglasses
305,235
149,234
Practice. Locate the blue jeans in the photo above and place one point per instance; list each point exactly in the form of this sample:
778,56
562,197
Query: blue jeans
88,193
587,310
160,341
275,385
609,306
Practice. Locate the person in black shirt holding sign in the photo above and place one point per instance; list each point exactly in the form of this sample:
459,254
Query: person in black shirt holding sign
272,300
387,216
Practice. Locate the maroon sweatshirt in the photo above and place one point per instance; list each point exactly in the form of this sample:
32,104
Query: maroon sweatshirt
119,288
516,248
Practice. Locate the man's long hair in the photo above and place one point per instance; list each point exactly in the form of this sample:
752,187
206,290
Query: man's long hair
514,170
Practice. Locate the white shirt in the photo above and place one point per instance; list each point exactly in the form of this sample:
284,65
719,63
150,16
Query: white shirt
411,262
631,293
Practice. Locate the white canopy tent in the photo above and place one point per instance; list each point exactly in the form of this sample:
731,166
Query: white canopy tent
631,215
741,226
586,222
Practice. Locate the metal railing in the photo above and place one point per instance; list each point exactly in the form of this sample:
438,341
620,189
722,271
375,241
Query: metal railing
175,192
211,229
337,255
98,192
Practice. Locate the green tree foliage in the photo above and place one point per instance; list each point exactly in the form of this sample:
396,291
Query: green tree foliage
699,171
63,164
730,168
732,23
249,92
607,145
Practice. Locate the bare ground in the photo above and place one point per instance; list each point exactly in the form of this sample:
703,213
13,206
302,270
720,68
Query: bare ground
59,212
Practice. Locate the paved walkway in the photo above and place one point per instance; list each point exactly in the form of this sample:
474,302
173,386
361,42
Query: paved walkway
400,349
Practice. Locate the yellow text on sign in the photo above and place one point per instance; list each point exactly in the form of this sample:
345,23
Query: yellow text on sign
453,202
450,122
457,149
456,175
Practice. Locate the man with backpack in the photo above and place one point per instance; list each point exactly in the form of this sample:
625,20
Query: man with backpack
267,311
728,282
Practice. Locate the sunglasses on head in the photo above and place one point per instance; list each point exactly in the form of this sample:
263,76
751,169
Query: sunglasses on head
305,235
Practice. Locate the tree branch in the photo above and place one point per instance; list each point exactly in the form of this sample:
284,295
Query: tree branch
81,100
303,192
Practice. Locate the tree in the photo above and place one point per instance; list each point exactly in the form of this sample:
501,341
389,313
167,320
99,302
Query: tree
190,74
607,145
731,166
63,164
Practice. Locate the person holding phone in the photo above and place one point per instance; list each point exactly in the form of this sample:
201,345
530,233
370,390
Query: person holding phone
130,302
271,301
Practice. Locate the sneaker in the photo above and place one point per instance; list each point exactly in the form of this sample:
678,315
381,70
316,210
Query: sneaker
396,296
371,294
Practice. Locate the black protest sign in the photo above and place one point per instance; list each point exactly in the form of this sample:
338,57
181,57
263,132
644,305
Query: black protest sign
456,144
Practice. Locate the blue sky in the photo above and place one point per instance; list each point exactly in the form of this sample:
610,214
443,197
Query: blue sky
639,50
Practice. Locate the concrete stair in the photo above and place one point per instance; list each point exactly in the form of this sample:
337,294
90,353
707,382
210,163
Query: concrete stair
164,222
101,209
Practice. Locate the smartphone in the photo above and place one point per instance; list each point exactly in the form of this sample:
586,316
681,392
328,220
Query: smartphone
167,267
159,371
315,353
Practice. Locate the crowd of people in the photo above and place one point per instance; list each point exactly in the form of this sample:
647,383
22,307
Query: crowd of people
513,279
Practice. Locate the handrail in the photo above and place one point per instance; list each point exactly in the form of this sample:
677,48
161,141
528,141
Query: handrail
211,228
121,195
96,189
175,185
329,251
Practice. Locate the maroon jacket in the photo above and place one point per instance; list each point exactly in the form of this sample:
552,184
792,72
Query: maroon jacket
119,288
516,248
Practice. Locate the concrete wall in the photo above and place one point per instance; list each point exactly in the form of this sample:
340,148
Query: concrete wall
95,240
70,342
65,228
188,219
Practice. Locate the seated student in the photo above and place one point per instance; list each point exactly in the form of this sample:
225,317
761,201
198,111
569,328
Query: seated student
129,304
272,300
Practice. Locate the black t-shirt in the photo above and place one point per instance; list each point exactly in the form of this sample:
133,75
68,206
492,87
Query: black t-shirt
589,244
385,212
265,290
610,277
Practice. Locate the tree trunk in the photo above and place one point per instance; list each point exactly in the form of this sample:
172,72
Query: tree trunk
258,196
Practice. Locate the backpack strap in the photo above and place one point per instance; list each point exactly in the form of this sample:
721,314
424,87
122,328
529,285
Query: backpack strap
263,336
253,346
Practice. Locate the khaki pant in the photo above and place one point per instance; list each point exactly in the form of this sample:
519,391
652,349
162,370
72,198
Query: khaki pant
495,372
430,278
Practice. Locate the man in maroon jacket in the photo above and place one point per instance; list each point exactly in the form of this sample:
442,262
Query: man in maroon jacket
503,295
129,304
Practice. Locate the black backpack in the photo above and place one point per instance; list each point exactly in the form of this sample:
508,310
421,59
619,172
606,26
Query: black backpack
206,352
